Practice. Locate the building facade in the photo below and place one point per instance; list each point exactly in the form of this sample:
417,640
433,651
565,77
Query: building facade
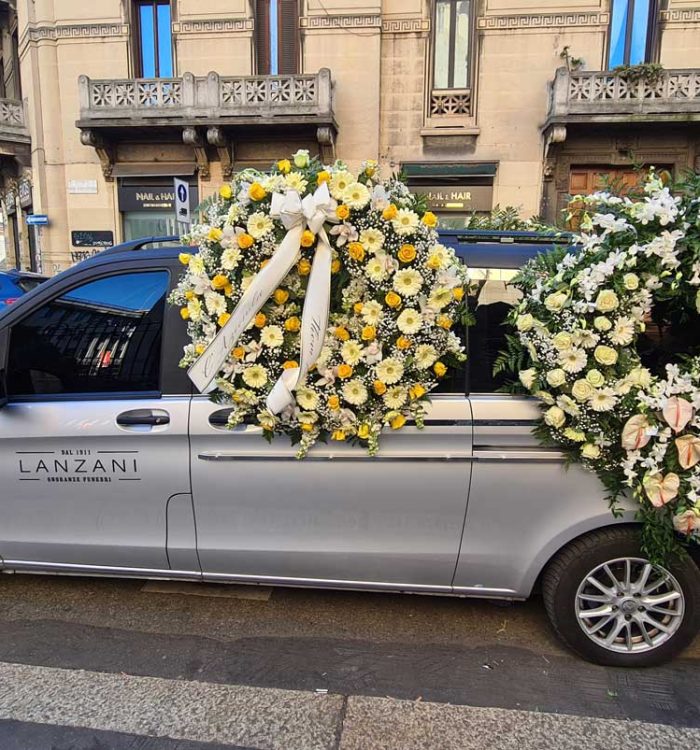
480,102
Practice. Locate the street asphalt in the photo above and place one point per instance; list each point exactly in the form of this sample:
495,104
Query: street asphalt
127,665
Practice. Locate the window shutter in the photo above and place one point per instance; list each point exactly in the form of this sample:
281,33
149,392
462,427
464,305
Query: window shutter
288,15
262,36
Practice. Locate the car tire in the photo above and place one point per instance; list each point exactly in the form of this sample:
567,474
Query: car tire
649,617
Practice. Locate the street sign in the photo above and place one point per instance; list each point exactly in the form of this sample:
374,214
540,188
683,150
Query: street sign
34,220
182,201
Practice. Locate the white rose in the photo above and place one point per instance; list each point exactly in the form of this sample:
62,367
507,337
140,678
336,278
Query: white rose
525,322
631,281
301,158
582,390
606,355
555,302
591,451
607,301
555,417
562,341
602,323
556,377
528,377
639,376
595,378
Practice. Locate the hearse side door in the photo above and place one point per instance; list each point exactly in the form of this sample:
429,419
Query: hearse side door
93,441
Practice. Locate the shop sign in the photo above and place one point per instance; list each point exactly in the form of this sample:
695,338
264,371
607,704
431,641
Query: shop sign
11,201
458,198
25,193
150,197
82,187
91,238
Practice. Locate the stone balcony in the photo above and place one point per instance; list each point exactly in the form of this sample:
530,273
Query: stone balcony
207,111
14,133
592,97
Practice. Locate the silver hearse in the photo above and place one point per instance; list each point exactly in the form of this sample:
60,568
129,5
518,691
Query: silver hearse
112,466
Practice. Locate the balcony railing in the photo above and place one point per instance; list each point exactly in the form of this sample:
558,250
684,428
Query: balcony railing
13,125
209,98
607,96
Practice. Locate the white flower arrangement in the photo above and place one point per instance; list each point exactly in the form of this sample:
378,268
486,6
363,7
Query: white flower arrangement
395,295
577,327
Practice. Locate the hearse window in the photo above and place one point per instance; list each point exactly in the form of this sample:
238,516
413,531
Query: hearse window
490,299
103,336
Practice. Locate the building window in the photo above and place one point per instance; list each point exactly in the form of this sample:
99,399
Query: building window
153,36
277,36
632,29
451,44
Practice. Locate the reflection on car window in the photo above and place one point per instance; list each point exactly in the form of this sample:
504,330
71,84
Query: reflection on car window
491,297
104,336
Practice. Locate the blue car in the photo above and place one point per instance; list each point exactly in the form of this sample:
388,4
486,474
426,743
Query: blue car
13,284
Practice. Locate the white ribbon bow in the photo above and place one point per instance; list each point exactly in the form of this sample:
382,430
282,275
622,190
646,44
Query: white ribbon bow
295,215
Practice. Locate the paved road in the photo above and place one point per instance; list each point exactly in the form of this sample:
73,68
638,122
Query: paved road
123,665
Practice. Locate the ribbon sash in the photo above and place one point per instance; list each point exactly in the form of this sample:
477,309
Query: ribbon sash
295,215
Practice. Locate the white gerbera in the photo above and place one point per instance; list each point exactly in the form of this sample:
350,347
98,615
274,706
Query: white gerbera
426,356
408,282
354,392
585,338
258,225
307,398
351,352
356,195
395,397
255,376
409,321
603,399
389,370
405,221
572,360
375,269
440,297
372,239
339,183
371,312
272,336
295,181
215,303
622,332
230,258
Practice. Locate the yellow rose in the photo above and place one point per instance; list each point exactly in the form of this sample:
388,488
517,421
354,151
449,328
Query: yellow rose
555,302
225,192
184,313
525,322
307,238
591,451
602,323
582,390
256,191
444,321
389,212
458,293
245,241
223,319
562,341
219,281
337,435
595,378
280,296
434,262
439,369
290,364
238,352
356,251
189,294
306,426
397,422
403,342
357,308
342,212
215,234
556,377
304,267
341,333
333,402
429,219
631,281
336,265
416,391
184,258
379,387
199,349
555,417
407,253
392,299
607,300
292,324
369,333
284,166
344,371
606,355
363,431
260,320
322,177
228,289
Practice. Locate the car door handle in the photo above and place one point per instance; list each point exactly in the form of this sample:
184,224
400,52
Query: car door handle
151,417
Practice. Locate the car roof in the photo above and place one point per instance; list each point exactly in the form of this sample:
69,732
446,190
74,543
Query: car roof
16,274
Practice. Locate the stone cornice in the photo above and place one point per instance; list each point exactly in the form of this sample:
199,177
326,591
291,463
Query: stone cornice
543,21
364,21
680,16
214,25
75,31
